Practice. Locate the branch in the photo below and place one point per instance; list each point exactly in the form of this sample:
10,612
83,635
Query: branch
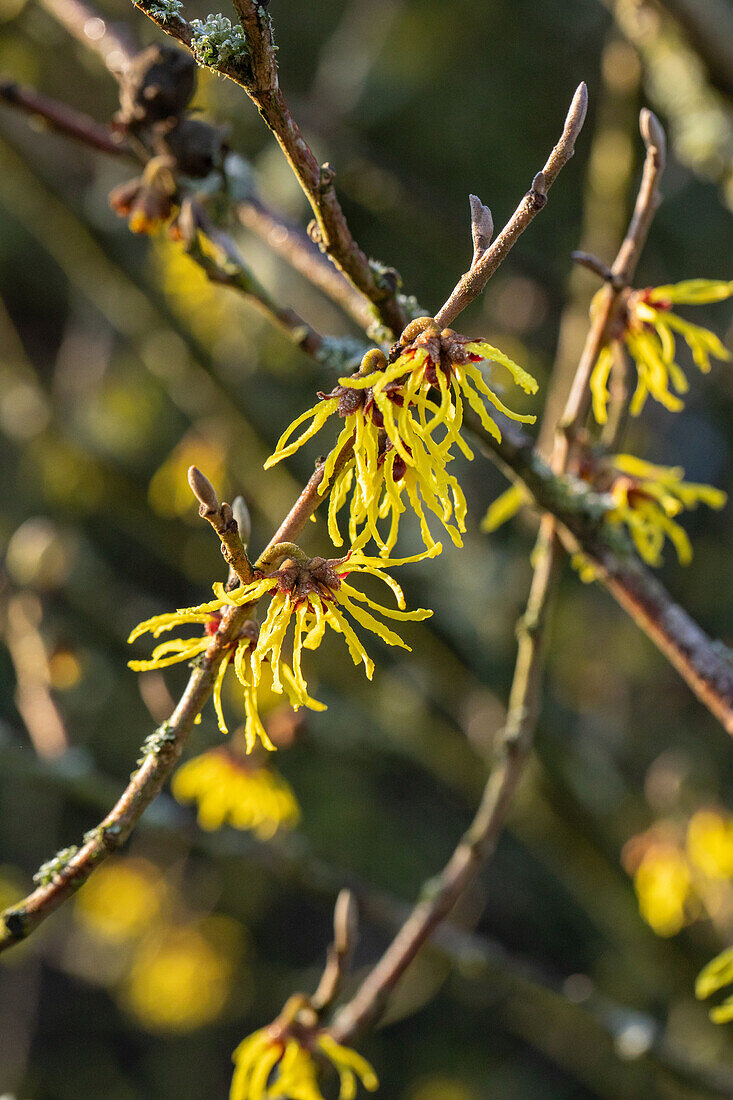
63,876
256,72
621,273
709,28
296,247
441,893
473,282
112,44
64,120
705,665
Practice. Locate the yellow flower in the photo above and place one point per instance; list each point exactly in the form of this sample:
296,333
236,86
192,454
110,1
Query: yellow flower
313,594
647,497
392,416
271,1064
182,975
663,886
717,973
431,360
240,655
710,844
229,791
122,899
649,329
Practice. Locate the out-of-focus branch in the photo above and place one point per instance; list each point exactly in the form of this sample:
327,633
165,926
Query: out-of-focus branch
296,247
487,261
255,70
32,695
63,119
708,25
112,44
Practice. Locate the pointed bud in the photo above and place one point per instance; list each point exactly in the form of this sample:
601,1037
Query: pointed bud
202,489
345,923
243,518
482,225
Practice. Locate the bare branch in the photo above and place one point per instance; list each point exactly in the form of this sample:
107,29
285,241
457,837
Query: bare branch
345,932
473,282
622,272
64,120
221,518
111,43
368,1002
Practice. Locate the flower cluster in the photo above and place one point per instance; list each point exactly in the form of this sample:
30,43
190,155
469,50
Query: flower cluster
643,497
646,500
310,593
402,419
683,871
228,790
284,1061
648,329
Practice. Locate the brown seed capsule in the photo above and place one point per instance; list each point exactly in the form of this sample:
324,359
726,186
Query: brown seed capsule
158,84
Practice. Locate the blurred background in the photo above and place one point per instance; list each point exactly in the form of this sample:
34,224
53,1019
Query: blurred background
120,365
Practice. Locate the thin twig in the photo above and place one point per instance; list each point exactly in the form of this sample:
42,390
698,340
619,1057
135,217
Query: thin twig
64,120
477,844
622,272
296,247
221,518
111,43
473,282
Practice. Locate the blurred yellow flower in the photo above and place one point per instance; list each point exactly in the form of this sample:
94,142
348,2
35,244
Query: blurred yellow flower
272,1065
717,974
663,885
181,975
121,899
646,499
710,844
648,328
683,871
230,791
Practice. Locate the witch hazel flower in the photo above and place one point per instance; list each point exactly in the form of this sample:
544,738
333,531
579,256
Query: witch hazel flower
648,328
311,594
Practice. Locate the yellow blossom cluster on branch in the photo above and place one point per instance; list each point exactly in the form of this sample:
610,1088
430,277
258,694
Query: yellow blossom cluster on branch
402,419
284,1061
310,594
648,329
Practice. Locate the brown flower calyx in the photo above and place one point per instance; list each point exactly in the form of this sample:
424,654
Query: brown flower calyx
299,580
444,347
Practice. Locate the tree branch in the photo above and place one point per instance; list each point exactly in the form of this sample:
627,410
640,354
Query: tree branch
482,268
64,120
